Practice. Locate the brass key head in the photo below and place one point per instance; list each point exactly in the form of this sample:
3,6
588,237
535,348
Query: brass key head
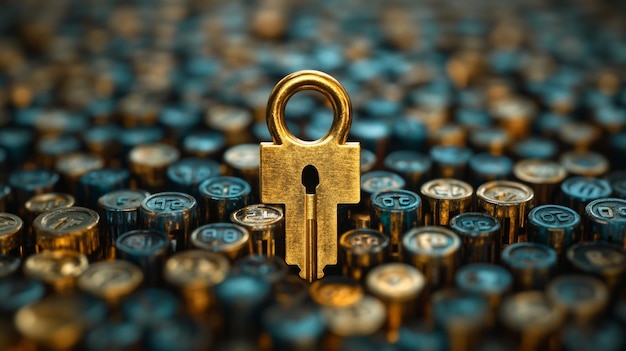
336,162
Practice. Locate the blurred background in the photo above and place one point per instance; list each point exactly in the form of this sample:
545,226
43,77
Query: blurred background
420,73
454,89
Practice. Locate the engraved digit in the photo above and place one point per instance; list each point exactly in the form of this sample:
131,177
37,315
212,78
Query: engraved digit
159,204
483,225
563,216
218,189
381,183
432,241
388,201
554,216
404,200
599,258
169,203
233,189
605,211
588,189
209,234
139,242
6,222
66,222
176,204
473,223
364,241
448,190
547,217
468,223
230,235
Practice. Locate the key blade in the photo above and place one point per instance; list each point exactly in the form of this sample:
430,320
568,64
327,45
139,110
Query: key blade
310,267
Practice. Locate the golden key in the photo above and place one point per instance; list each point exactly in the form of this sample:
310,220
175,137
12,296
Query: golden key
310,177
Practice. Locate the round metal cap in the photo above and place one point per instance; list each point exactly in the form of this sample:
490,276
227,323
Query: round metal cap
395,282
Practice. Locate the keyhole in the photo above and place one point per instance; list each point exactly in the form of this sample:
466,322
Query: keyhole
310,179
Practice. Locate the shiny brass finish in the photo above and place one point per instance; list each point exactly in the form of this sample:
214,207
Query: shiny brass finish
398,285
515,115
111,280
149,163
266,226
228,239
364,317
41,203
72,228
37,205
466,66
510,203
336,292
360,250
54,323
492,139
137,110
579,135
194,273
335,161
243,161
10,234
368,161
195,268
360,220
445,198
586,163
450,135
74,165
59,269
543,176
435,251
231,121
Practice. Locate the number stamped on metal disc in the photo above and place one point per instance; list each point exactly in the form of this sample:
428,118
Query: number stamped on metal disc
258,215
63,220
169,202
364,240
503,192
376,181
123,199
142,241
224,187
401,200
553,216
217,236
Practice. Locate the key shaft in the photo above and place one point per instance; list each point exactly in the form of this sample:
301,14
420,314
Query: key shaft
310,201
